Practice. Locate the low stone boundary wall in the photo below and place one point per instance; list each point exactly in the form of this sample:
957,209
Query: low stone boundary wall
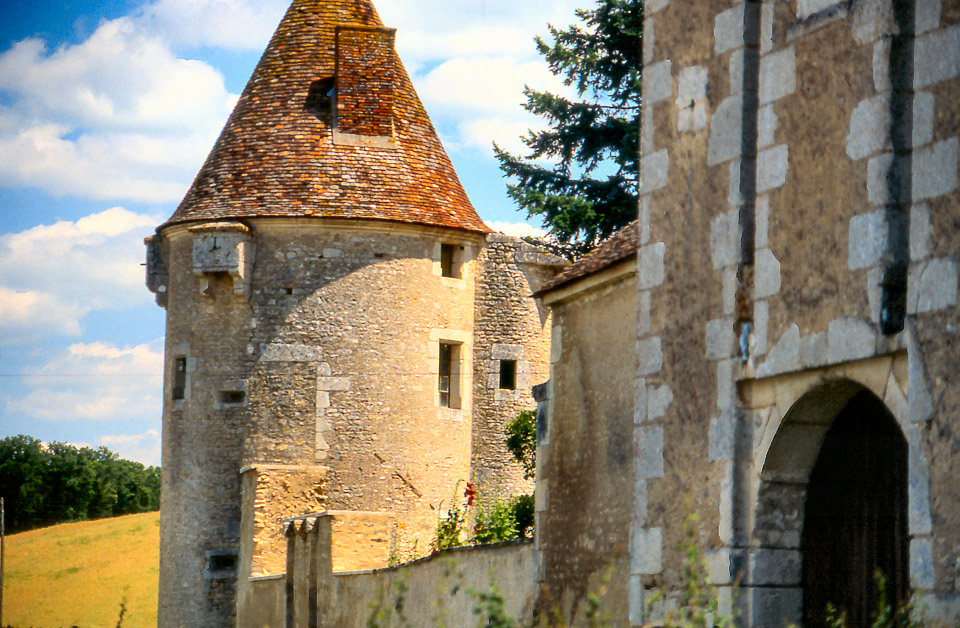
336,575
439,590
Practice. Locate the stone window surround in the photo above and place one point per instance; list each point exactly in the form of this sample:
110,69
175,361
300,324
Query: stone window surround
504,351
327,382
232,385
465,340
177,351
463,255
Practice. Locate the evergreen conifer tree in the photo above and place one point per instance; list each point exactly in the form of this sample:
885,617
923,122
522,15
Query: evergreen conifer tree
587,189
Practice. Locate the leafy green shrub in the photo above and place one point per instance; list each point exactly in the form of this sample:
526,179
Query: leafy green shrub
522,441
495,519
522,506
447,533
499,519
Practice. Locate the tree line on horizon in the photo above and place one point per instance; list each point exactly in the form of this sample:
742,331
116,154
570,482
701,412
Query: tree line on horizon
44,484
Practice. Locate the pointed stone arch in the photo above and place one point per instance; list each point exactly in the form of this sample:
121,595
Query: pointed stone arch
792,418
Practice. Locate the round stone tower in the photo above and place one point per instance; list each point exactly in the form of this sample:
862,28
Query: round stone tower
319,279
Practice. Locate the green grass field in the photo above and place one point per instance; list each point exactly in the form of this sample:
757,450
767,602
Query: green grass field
78,574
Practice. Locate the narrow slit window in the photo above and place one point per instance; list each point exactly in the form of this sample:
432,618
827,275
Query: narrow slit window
446,261
508,374
179,377
449,370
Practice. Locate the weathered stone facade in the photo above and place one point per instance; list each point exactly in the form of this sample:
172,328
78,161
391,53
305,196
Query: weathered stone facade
508,326
797,265
306,333
332,364
584,479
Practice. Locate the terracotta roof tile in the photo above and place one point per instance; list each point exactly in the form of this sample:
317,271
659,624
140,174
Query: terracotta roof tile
277,154
618,247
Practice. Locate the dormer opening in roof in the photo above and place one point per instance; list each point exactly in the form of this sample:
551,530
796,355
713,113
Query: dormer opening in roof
365,74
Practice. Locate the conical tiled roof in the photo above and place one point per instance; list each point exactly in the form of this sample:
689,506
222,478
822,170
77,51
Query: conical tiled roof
283,152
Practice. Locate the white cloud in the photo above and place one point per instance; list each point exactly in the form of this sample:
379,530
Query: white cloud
95,382
52,275
505,131
231,24
484,84
440,29
481,98
27,315
118,78
470,61
517,229
117,116
144,447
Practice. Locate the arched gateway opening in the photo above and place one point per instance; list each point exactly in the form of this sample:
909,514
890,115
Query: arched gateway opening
832,505
855,517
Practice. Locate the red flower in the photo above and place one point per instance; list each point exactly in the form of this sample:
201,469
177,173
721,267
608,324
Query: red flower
470,493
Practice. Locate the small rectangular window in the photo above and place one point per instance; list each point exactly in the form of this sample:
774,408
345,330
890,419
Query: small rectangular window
232,397
508,374
446,261
221,562
449,369
179,377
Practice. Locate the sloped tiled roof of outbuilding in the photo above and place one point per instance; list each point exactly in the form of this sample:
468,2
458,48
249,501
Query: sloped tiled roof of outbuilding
276,156
617,248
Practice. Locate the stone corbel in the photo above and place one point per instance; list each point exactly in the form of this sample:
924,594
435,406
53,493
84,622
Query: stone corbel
224,247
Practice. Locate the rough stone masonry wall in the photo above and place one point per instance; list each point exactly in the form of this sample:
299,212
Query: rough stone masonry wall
868,141
333,575
335,352
508,325
781,195
584,492
202,446
684,187
272,493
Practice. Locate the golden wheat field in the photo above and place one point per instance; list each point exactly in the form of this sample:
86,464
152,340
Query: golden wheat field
78,574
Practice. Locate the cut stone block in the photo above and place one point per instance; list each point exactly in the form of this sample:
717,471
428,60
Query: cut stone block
649,451
720,339
649,356
646,551
654,170
725,239
650,270
726,131
766,275
657,82
867,241
778,75
936,56
772,168
850,339
728,30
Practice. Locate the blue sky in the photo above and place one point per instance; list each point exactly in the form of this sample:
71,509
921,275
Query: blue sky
107,110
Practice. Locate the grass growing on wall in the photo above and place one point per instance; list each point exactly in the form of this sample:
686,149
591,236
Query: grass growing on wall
79,574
